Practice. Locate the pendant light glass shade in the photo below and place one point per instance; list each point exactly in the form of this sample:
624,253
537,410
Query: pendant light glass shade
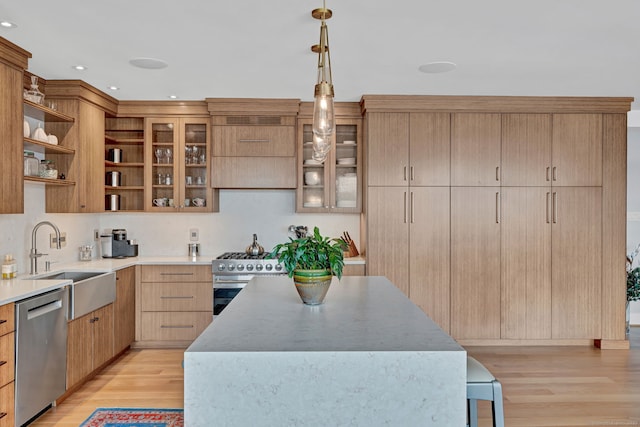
323,109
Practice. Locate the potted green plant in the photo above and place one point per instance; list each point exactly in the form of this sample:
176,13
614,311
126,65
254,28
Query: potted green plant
311,260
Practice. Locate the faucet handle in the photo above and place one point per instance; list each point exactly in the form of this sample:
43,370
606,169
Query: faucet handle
47,264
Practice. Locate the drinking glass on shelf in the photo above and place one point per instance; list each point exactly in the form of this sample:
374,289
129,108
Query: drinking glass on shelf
168,154
203,159
187,154
160,154
195,154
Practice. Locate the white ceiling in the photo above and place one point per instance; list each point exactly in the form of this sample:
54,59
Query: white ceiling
257,48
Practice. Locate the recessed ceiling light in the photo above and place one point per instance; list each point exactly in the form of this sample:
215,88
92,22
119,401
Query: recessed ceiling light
112,87
7,24
148,63
79,67
173,96
437,67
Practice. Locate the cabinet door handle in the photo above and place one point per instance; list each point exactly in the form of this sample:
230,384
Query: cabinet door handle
405,207
3,414
176,297
411,207
553,173
254,140
497,173
554,202
498,207
3,321
547,173
4,362
176,274
548,205
176,326
411,173
404,173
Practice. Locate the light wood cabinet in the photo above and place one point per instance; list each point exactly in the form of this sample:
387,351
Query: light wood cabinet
475,262
335,185
89,344
254,142
7,364
576,283
87,106
354,270
13,62
175,304
178,154
124,309
537,212
475,149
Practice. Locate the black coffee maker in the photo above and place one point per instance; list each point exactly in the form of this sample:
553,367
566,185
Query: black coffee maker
116,245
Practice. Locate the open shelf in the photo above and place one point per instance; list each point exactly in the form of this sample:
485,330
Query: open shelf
35,145
46,114
49,181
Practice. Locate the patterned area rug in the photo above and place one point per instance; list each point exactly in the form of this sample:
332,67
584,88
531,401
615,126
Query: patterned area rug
135,417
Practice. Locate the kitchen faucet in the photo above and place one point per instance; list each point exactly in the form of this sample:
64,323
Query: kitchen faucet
33,254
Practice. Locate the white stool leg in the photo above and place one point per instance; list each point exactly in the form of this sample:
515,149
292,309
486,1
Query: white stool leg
497,406
473,413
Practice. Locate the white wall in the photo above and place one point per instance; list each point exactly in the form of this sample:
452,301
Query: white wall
268,213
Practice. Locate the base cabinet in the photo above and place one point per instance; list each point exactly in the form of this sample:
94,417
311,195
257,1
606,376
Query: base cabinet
174,304
7,365
124,309
89,344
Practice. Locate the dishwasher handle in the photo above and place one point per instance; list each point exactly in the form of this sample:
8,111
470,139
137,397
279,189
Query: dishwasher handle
44,309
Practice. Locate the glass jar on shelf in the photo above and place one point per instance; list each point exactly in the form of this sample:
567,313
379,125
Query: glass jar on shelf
34,94
48,169
31,164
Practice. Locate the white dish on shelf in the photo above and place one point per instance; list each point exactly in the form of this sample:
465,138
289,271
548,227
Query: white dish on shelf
347,161
312,204
349,142
312,162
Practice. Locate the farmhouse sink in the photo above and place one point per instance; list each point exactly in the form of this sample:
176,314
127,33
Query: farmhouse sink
90,290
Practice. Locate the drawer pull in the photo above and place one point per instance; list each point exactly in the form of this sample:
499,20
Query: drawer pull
177,297
176,274
3,321
3,362
3,414
254,140
176,326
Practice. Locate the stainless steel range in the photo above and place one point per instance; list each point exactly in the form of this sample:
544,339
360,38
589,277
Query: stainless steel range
233,270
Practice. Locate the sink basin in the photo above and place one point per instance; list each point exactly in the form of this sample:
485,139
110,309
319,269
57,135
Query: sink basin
90,290
76,276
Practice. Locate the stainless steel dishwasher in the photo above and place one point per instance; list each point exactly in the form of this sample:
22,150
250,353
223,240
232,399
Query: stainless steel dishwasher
41,353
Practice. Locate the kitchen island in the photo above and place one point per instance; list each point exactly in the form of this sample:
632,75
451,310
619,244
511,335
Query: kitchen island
366,357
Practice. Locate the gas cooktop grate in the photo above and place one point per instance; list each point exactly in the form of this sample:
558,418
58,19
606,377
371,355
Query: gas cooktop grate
241,255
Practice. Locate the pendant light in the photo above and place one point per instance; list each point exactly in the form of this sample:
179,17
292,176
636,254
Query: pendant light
323,111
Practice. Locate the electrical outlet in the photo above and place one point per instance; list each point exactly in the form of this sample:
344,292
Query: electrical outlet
53,242
96,234
194,234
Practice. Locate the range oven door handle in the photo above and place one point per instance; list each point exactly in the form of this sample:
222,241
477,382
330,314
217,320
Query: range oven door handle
229,281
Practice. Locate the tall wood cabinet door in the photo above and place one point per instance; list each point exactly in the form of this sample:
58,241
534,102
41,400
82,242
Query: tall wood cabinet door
79,349
526,262
577,150
91,180
388,235
124,309
429,149
11,147
526,149
102,335
475,262
429,264
475,149
388,149
576,284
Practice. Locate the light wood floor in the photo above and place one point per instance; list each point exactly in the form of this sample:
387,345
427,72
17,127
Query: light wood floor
542,386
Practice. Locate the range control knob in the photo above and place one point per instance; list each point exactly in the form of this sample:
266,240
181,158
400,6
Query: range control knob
231,267
220,267
240,267
249,267
278,267
259,267
269,267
